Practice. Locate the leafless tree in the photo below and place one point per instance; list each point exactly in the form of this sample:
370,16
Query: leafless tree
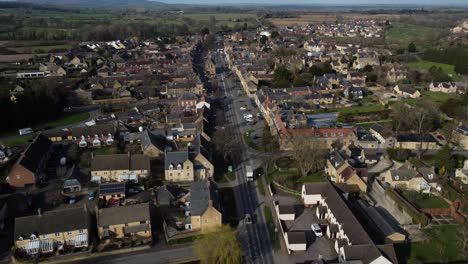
224,143
308,152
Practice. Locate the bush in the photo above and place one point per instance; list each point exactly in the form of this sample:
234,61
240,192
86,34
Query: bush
399,154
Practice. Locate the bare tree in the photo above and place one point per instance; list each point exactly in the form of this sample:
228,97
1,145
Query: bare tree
425,114
399,116
224,143
308,152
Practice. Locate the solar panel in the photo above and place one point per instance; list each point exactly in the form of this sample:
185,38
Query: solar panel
112,188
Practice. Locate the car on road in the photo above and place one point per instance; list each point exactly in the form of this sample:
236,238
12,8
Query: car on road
243,108
258,172
316,229
248,219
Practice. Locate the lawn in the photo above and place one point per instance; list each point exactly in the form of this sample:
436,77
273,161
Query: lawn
105,150
227,177
426,65
452,194
367,125
360,109
271,228
260,186
315,177
420,252
248,139
18,140
67,119
431,201
402,34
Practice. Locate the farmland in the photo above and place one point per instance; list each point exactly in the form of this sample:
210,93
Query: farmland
402,34
426,65
325,17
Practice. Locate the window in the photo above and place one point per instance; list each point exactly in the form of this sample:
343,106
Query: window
397,178
81,231
69,232
340,134
333,134
178,174
188,167
105,173
57,234
143,222
142,171
44,236
170,174
325,134
188,173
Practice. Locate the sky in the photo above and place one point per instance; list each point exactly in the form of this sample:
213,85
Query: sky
320,2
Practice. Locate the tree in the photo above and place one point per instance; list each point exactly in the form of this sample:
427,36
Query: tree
412,47
315,70
368,68
219,245
205,31
424,115
73,153
443,159
263,40
224,143
308,152
274,34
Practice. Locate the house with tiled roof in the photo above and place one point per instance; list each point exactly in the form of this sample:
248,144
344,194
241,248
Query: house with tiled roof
340,171
408,178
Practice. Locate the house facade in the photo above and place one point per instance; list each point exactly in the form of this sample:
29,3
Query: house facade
53,230
120,167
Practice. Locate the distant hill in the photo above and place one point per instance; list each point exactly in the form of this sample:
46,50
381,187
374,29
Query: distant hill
112,4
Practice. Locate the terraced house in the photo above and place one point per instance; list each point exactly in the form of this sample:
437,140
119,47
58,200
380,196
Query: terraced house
52,230
120,167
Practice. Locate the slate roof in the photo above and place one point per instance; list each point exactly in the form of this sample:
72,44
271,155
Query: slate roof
51,222
120,162
403,173
35,152
123,214
286,209
175,158
336,159
201,193
413,137
100,129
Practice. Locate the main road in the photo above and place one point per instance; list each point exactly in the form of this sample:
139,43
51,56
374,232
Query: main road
253,237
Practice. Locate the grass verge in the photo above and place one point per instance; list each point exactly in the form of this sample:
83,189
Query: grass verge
271,228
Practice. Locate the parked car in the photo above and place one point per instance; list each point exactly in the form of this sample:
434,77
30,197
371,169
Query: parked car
316,229
91,196
72,199
243,108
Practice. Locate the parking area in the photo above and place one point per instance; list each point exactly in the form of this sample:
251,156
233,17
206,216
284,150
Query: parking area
317,247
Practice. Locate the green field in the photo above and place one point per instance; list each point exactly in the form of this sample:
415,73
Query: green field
360,109
402,34
368,125
443,248
436,97
67,119
426,65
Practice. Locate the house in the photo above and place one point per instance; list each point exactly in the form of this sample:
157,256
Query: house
112,191
443,87
52,230
354,92
462,173
340,171
406,91
202,207
120,167
285,212
28,169
415,142
152,145
131,221
352,243
94,136
460,136
408,178
187,165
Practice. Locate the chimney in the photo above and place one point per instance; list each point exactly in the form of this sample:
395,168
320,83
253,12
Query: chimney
210,203
39,212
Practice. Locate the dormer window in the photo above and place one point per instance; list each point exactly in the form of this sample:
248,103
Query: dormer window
179,167
430,176
171,167
397,177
